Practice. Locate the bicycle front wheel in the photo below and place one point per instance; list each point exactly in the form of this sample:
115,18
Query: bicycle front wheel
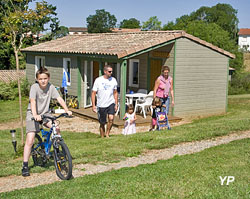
62,160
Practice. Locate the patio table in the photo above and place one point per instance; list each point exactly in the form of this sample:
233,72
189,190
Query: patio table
135,95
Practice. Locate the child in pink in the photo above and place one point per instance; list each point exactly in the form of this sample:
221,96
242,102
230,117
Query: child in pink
129,118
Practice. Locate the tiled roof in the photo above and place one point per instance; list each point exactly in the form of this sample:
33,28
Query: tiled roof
116,44
244,31
10,75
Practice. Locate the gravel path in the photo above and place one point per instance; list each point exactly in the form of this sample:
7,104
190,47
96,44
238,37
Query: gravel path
11,183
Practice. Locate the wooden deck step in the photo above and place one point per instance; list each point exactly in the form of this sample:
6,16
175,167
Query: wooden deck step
87,113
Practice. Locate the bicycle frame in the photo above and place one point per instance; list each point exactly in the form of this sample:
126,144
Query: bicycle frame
48,136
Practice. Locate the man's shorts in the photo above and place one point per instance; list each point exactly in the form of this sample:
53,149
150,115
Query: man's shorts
103,112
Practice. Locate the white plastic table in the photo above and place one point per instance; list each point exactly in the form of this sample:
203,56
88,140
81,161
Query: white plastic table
135,95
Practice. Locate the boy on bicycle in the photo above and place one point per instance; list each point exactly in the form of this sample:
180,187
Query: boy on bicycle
39,99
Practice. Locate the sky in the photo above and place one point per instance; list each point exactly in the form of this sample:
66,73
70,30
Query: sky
73,13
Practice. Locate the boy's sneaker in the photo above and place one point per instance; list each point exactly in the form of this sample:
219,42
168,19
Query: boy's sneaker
169,128
25,172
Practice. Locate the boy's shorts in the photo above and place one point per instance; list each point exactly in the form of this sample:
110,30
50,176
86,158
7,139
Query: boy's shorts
34,126
103,112
154,121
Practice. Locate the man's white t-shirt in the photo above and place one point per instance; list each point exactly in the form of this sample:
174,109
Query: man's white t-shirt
105,91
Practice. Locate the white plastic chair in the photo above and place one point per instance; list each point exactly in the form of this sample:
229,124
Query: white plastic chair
144,105
141,90
118,106
151,93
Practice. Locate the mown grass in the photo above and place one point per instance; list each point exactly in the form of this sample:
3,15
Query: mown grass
189,176
9,110
88,148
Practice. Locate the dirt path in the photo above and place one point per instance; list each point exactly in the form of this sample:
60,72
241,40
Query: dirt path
11,183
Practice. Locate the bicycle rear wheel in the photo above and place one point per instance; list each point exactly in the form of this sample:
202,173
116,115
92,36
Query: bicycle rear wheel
38,155
62,160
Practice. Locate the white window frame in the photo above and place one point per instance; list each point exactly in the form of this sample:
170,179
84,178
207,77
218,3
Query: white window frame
131,71
65,69
37,61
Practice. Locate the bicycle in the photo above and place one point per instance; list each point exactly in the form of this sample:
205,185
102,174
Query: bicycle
41,149
72,102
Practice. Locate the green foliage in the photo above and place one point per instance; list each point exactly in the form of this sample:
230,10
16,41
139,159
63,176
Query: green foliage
217,25
130,23
101,22
17,19
9,91
223,15
152,24
240,84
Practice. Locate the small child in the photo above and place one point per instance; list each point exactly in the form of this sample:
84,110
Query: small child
157,106
129,118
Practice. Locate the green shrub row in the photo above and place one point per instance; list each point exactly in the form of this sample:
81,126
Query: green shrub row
240,84
9,91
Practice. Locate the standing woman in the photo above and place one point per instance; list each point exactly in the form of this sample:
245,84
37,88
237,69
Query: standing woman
164,85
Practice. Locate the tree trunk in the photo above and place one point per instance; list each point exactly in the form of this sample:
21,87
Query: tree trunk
20,95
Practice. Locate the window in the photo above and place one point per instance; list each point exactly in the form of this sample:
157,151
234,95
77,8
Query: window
67,70
39,62
244,39
134,72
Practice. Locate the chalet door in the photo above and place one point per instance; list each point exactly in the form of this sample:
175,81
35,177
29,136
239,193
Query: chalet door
88,80
155,71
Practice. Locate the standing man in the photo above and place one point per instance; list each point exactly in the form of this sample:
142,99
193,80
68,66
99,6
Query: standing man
107,99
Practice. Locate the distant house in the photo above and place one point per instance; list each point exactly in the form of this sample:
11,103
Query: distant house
244,38
77,30
7,76
199,69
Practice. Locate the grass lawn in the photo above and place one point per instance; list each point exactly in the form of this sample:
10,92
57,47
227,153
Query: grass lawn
9,110
189,176
88,148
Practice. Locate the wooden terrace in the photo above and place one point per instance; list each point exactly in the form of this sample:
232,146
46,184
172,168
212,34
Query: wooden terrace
141,121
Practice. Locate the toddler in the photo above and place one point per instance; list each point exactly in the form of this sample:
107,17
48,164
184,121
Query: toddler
157,106
129,118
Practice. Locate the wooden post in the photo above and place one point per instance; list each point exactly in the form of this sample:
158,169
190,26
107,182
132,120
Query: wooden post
123,87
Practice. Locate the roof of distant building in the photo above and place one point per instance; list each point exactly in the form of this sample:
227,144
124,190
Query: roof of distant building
244,31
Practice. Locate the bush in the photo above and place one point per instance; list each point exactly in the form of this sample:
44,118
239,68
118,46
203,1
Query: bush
240,84
9,91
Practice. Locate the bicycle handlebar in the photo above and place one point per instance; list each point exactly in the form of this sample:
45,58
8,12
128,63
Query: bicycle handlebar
53,118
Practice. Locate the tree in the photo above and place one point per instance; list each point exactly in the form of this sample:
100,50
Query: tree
6,49
223,15
152,24
130,23
101,22
17,22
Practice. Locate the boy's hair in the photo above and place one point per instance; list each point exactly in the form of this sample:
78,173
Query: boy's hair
156,100
42,70
130,107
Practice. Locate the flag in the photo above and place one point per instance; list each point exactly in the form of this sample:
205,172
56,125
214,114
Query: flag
64,82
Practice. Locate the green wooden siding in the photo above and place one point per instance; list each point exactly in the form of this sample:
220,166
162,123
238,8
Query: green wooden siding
200,80
55,66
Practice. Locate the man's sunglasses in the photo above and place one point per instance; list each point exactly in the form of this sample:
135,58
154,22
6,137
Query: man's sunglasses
110,71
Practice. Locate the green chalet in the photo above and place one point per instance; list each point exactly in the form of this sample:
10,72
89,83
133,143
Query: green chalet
199,69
